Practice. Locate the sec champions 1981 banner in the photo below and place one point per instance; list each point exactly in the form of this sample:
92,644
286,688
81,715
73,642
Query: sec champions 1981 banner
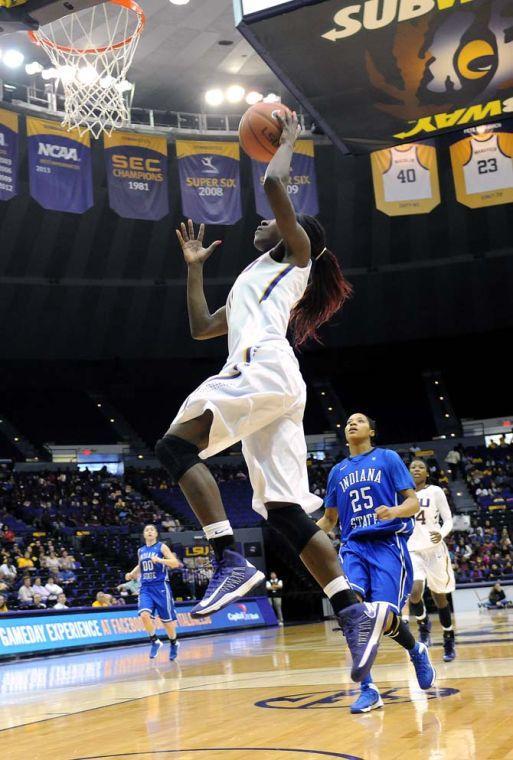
209,180
405,179
8,154
59,166
136,168
482,165
302,188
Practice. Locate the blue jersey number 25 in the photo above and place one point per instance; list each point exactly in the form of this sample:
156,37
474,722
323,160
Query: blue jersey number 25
361,498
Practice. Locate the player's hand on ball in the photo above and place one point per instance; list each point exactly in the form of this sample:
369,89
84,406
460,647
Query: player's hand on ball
192,244
436,537
385,513
289,126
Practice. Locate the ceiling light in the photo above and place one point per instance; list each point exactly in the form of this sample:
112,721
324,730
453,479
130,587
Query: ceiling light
49,74
99,406
16,438
446,415
107,81
214,97
33,68
179,2
235,93
254,97
272,98
87,74
124,86
441,398
66,73
13,58
112,419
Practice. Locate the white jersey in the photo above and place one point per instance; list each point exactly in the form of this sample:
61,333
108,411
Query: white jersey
259,305
406,179
488,168
433,506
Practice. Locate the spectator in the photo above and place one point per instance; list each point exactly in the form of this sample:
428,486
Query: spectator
274,588
52,563
53,589
7,536
67,561
38,588
101,600
497,597
453,460
67,576
37,602
131,588
3,604
25,593
8,571
61,603
25,562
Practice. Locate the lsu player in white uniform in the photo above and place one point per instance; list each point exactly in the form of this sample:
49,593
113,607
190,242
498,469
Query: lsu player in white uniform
430,558
259,398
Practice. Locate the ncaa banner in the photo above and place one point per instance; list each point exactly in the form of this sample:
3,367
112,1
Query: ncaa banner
302,188
136,168
209,181
482,166
9,141
60,172
406,179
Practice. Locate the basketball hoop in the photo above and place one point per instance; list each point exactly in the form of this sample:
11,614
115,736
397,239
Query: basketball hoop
91,51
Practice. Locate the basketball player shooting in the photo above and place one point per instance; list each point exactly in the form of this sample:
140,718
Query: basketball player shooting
259,398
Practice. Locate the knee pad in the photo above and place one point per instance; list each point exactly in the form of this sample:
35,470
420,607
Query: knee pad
294,524
176,455
417,608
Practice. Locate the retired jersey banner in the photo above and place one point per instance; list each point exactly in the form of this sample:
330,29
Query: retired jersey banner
405,179
136,168
209,181
60,172
482,166
8,154
302,188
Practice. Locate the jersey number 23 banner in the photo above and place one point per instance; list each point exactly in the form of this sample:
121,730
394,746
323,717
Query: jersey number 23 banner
59,166
482,167
405,179
209,180
136,168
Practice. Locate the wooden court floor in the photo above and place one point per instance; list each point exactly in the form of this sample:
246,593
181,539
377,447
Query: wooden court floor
267,694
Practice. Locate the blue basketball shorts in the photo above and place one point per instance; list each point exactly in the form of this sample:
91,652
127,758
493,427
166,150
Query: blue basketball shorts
157,599
379,570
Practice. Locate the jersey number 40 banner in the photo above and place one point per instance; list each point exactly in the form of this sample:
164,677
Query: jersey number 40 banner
406,179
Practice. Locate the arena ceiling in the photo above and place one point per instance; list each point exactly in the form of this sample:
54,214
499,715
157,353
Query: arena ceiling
179,56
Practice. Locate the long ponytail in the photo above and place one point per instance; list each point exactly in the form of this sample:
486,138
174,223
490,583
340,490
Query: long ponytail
326,292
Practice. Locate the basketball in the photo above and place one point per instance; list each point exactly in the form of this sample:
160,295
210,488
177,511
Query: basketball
259,131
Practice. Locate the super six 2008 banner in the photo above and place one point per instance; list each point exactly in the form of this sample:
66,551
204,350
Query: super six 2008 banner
136,166
209,180
59,166
8,154
302,188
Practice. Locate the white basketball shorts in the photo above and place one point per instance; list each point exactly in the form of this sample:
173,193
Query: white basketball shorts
260,402
433,566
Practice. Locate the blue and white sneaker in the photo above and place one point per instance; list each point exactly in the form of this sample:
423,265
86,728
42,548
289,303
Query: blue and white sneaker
449,648
362,625
233,578
155,648
369,699
173,649
426,674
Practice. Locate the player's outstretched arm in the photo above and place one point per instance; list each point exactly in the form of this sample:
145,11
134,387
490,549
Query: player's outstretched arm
203,324
275,186
329,519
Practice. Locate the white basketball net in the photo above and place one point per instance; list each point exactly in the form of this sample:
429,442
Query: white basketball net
92,51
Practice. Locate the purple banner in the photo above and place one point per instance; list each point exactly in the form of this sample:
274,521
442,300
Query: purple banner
59,166
8,155
209,181
303,182
136,168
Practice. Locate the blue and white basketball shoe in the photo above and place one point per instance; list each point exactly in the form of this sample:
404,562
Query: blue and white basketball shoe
233,578
426,674
369,699
155,648
362,625
173,649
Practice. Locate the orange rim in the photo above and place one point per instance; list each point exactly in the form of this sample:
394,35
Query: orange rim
130,5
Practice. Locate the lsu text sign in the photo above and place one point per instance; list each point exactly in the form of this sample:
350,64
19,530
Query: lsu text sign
209,180
26,633
59,166
8,155
302,188
136,167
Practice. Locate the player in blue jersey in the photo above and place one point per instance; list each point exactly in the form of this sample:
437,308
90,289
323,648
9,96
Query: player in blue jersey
372,495
155,596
